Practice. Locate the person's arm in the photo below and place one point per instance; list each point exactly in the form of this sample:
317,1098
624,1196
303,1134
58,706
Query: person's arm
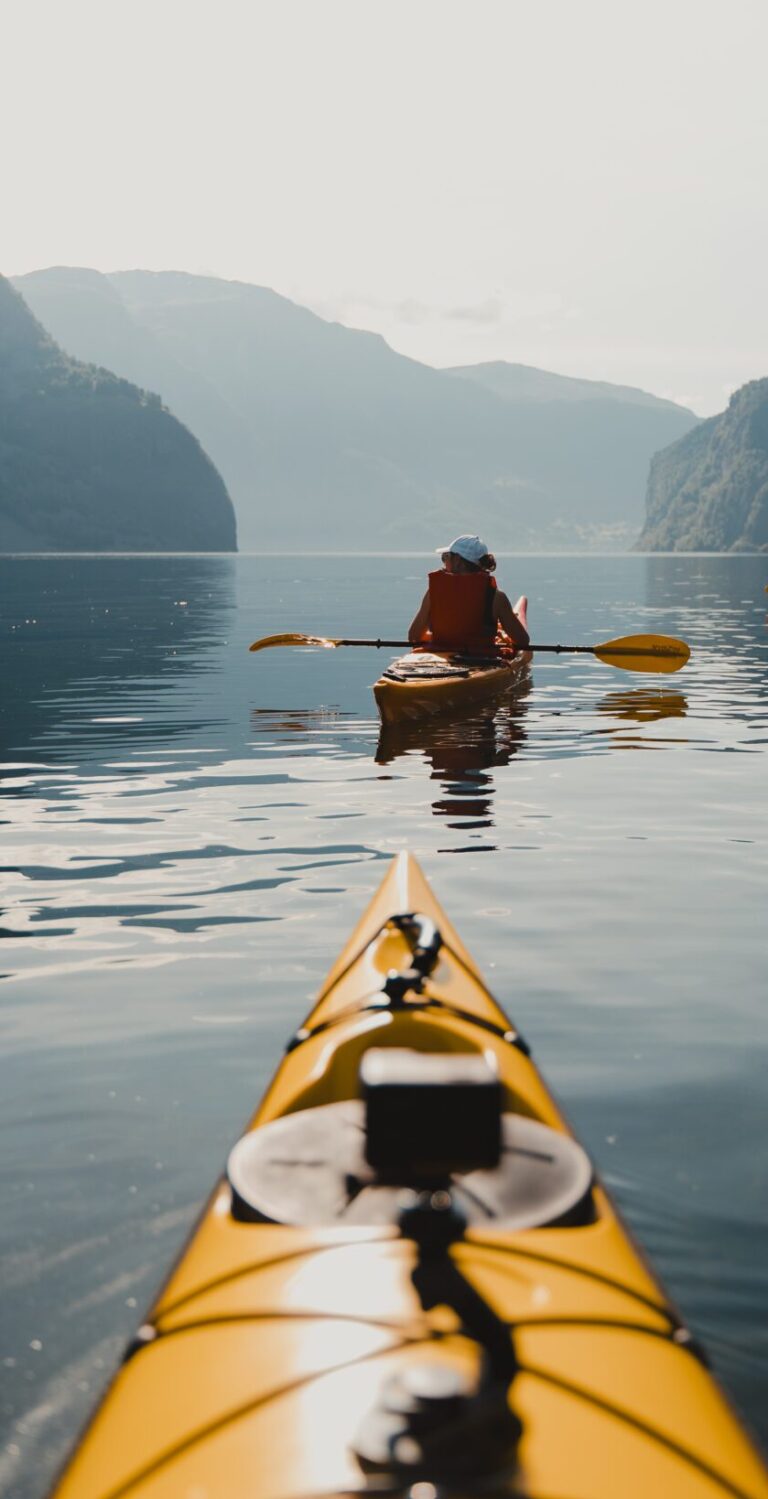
420,623
505,616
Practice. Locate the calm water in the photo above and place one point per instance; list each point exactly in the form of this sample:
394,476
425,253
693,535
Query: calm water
187,834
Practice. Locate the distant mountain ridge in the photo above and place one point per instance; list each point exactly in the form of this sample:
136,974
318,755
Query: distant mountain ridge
524,382
88,462
329,440
708,492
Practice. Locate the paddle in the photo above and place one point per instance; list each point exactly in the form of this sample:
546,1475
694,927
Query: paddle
630,652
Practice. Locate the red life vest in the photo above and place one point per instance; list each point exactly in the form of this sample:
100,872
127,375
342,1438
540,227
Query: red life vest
461,612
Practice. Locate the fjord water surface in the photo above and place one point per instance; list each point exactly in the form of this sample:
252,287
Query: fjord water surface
188,833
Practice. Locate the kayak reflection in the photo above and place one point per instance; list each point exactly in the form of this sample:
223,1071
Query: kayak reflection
461,753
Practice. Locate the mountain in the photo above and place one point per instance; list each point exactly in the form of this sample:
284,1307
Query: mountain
329,440
88,462
709,491
522,382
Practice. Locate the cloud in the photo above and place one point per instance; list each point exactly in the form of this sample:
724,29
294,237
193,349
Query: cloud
489,311
414,312
492,311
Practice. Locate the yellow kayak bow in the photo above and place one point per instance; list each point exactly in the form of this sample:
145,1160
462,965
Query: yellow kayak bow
410,1280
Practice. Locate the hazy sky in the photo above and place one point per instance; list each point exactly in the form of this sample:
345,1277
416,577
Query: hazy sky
575,184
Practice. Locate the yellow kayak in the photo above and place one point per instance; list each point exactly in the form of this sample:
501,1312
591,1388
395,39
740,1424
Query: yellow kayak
427,684
409,1280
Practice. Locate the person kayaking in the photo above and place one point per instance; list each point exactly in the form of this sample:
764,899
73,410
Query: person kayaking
462,609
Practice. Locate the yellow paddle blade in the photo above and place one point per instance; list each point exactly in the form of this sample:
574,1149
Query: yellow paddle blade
644,653
269,640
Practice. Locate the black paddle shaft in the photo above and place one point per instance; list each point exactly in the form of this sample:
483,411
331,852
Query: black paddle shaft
587,650
607,648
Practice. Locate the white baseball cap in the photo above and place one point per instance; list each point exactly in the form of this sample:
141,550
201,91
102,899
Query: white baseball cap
471,548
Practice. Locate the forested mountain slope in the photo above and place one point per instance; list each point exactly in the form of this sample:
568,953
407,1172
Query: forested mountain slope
88,462
709,491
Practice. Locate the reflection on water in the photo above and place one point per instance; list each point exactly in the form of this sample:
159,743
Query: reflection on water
189,831
459,753
277,722
274,726
113,633
644,704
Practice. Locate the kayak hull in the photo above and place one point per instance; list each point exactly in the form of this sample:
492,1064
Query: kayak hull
270,1343
425,685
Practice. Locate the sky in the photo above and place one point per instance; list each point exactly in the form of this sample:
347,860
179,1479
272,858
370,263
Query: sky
578,185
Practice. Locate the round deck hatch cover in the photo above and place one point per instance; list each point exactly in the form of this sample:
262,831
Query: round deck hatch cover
309,1169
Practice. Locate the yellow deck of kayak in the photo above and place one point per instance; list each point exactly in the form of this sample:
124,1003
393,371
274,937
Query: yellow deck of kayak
269,1344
